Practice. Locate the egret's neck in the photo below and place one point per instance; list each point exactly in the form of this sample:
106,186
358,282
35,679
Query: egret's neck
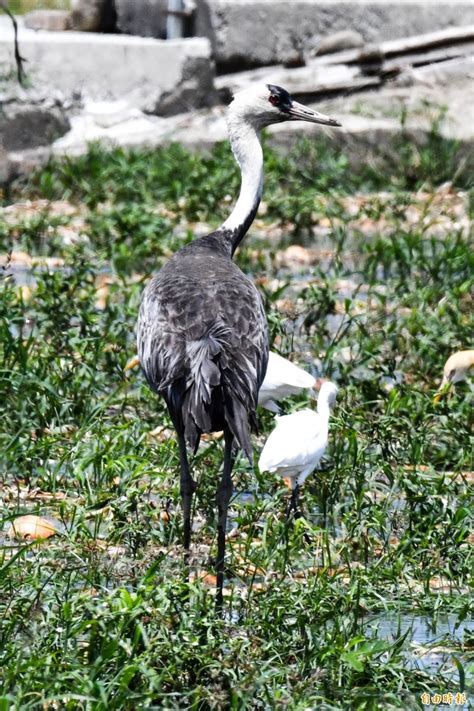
323,409
248,154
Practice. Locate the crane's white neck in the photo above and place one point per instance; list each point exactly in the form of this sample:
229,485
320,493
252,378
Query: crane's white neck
247,150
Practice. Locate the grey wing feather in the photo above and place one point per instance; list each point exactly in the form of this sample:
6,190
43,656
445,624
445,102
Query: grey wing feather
203,344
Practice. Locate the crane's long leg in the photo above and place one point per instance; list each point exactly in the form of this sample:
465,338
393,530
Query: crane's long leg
224,493
187,487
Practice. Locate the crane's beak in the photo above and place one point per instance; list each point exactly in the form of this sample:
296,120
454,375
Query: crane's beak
299,112
132,363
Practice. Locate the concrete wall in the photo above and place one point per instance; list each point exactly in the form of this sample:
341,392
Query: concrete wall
249,33
106,66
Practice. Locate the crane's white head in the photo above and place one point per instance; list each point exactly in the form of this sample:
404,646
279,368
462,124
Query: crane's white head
264,104
327,394
456,369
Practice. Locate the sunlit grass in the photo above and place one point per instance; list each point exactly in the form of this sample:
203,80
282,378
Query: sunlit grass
21,6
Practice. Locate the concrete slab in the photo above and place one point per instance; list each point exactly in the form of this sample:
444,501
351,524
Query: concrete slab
105,66
251,33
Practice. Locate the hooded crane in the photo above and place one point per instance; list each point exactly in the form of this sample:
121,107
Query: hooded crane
202,332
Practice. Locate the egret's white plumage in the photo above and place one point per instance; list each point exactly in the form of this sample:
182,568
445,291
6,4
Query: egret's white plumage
282,379
458,366
298,442
456,369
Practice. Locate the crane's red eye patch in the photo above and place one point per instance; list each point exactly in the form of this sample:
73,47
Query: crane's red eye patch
273,99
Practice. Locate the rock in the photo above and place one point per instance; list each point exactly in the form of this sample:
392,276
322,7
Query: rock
109,113
93,15
52,20
195,91
4,167
294,59
246,33
24,127
312,79
346,39
146,18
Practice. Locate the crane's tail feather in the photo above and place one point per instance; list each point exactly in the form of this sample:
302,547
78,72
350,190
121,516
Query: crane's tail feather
238,423
213,393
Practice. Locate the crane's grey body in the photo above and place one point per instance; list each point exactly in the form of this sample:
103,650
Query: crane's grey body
202,331
202,341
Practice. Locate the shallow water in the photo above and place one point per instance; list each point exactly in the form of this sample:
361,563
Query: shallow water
431,642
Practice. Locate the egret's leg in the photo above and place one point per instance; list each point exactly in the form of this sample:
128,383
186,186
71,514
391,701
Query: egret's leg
188,487
224,492
296,502
293,503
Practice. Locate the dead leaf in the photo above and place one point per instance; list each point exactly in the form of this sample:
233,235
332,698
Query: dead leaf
32,528
161,433
296,256
206,578
290,307
211,436
38,495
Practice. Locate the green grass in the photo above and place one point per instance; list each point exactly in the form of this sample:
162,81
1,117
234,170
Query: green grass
99,617
19,7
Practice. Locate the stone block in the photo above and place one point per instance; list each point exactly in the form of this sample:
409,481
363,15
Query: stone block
195,91
93,15
252,33
345,39
51,20
146,18
5,170
23,127
107,67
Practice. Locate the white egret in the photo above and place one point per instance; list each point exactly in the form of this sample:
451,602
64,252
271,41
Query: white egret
282,379
298,442
456,369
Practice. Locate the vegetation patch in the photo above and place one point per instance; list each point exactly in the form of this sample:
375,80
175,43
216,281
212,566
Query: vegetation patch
365,602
